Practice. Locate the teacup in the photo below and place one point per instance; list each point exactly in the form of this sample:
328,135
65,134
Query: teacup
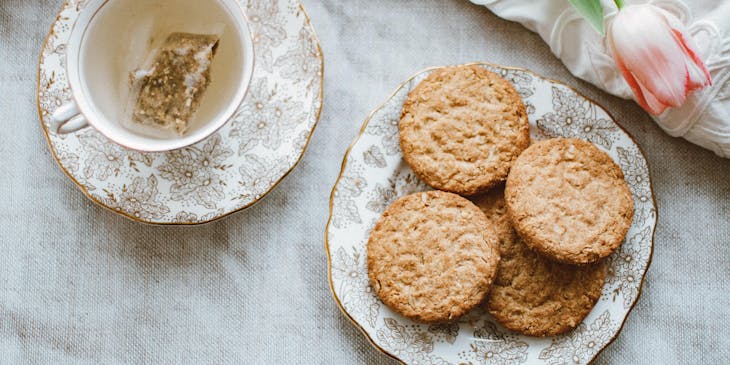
108,42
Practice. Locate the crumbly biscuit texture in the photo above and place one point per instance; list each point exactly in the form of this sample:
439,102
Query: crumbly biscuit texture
430,258
531,294
461,129
568,200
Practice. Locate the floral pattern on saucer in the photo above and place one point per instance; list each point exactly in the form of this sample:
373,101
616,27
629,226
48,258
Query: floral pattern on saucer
374,174
228,171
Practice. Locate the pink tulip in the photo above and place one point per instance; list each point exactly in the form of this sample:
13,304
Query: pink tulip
656,56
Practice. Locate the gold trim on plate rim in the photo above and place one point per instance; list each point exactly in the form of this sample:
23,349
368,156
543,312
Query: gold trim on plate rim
307,22
362,130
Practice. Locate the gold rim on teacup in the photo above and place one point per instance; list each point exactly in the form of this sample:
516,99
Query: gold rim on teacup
82,111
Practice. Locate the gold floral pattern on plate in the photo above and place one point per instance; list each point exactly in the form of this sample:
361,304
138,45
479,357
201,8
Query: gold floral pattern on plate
229,171
374,175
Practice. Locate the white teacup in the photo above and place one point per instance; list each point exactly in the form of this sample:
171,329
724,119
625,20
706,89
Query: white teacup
105,46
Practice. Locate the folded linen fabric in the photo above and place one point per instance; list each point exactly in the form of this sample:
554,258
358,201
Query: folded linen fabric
704,119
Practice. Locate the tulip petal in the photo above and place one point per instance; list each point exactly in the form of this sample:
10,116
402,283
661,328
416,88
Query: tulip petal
656,56
698,75
643,96
631,80
651,53
655,106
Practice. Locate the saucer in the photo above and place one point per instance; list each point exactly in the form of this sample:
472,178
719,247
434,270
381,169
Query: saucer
374,175
225,173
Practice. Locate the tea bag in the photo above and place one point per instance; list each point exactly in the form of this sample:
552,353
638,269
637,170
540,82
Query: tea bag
169,91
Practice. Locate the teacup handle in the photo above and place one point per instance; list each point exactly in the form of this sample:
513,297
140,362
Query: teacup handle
67,119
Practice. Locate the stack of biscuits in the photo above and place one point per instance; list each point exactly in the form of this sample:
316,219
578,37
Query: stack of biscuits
518,228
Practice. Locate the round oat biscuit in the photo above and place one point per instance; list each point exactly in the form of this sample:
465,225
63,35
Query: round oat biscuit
461,128
430,258
532,294
568,200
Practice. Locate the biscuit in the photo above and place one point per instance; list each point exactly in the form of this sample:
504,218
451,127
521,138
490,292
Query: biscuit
461,128
568,200
531,294
429,257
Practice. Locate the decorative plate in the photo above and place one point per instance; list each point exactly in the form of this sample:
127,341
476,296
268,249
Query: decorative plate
374,174
229,171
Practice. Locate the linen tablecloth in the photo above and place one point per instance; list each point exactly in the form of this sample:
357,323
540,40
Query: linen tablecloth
81,285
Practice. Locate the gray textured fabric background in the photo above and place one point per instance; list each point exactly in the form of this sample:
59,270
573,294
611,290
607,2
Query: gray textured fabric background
79,284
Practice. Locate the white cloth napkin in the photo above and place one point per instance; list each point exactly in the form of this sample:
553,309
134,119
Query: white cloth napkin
704,119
